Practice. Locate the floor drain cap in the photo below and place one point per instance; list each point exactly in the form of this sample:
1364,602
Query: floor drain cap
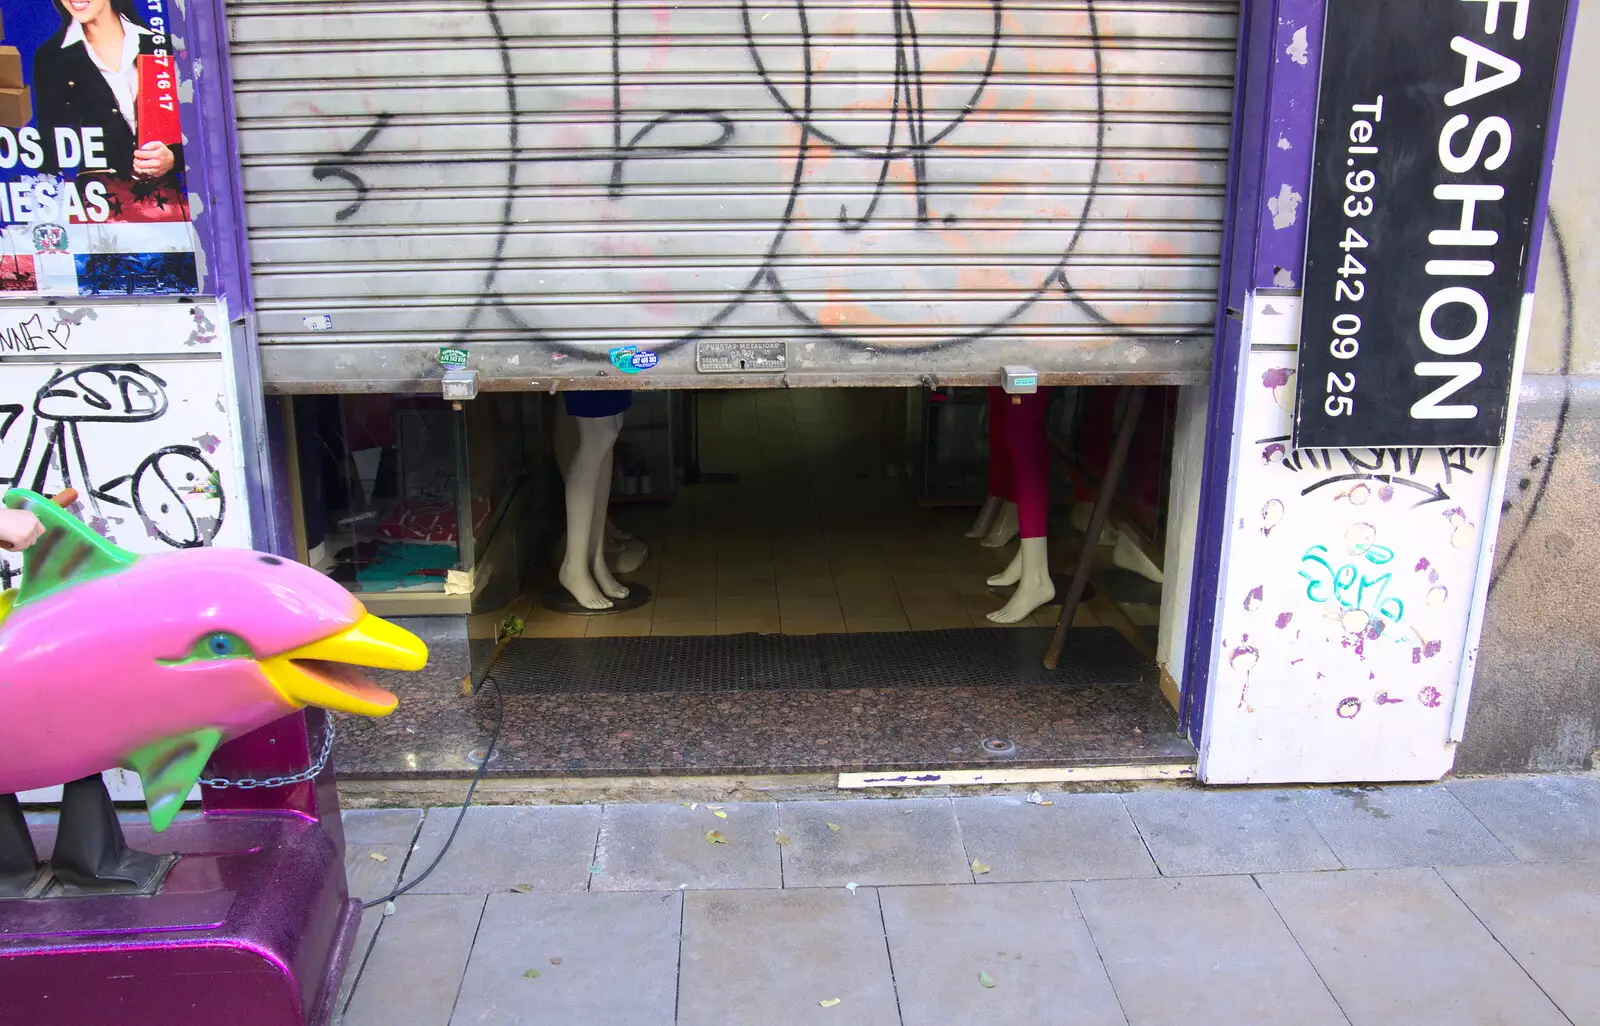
999,746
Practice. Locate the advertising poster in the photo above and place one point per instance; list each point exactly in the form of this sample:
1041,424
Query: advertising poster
92,195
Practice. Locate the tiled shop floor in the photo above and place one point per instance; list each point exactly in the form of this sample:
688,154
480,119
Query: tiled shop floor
1398,905
802,527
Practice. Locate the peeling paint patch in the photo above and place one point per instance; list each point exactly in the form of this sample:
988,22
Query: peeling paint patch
1253,600
1283,621
1430,697
1273,453
208,442
1277,377
1284,144
1281,278
1422,564
1285,207
1299,48
1355,621
1271,515
1244,658
1384,699
1438,595
1349,708
1385,493
1360,538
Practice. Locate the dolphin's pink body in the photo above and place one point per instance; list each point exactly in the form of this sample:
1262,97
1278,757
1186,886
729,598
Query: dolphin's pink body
82,684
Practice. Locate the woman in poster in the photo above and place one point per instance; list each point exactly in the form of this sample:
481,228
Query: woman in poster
87,76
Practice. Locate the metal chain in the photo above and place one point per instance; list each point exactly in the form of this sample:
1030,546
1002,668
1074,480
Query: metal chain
309,773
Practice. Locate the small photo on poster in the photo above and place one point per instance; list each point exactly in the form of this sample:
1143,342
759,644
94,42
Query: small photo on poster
91,146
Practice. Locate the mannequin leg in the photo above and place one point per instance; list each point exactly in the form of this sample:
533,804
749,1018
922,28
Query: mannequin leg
999,468
623,551
588,489
597,530
1030,471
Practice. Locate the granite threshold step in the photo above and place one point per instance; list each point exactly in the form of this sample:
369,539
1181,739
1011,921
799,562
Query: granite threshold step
424,791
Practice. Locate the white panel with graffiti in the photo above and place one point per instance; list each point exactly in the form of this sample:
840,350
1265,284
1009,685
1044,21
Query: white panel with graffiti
1346,588
131,406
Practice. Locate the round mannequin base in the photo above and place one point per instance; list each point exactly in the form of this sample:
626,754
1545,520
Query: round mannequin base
559,600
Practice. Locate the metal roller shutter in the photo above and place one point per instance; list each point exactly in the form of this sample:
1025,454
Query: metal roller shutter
895,187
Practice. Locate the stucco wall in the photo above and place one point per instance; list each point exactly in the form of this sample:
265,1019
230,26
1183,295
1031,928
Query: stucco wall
1536,700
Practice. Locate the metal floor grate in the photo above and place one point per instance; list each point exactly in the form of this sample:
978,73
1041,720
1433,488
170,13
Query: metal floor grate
962,657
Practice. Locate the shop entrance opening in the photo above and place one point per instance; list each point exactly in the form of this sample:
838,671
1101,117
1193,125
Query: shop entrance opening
821,598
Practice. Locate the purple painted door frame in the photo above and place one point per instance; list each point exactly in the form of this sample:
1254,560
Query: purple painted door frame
287,746
1275,117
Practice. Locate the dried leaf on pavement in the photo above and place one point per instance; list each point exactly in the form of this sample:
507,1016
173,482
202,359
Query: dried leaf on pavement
981,868
556,960
828,1002
835,827
377,856
719,814
531,974
522,888
782,838
986,980
715,837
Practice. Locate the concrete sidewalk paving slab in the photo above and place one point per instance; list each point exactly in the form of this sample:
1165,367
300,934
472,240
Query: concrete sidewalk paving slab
1541,819
414,971
1548,918
1029,938
762,957
1397,946
664,847
1227,832
1393,827
381,826
879,842
1078,837
601,959
370,878
1209,951
500,846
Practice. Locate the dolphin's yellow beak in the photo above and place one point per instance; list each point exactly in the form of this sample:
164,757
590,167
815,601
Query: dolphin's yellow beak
324,672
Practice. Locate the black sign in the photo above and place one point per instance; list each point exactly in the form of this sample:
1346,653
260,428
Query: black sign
1431,126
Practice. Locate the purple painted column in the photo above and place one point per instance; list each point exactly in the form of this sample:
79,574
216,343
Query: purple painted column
1274,123
1264,250
293,743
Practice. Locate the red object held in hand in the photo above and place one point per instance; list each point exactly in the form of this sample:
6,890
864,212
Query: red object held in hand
158,100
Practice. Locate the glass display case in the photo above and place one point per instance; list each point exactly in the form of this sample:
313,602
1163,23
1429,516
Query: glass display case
378,483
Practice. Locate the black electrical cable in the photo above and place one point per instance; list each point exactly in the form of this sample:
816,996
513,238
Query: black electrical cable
488,753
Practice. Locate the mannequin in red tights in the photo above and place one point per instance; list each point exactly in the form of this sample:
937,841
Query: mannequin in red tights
1019,469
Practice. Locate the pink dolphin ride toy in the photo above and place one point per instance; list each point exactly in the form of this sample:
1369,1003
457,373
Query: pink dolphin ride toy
148,663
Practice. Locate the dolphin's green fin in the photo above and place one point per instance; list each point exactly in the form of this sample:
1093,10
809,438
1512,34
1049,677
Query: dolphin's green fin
67,553
168,770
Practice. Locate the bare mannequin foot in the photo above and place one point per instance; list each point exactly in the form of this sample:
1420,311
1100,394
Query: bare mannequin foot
1003,529
1034,587
582,587
1010,575
986,515
607,583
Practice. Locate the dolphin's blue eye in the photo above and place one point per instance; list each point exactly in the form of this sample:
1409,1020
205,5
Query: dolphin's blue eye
216,645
